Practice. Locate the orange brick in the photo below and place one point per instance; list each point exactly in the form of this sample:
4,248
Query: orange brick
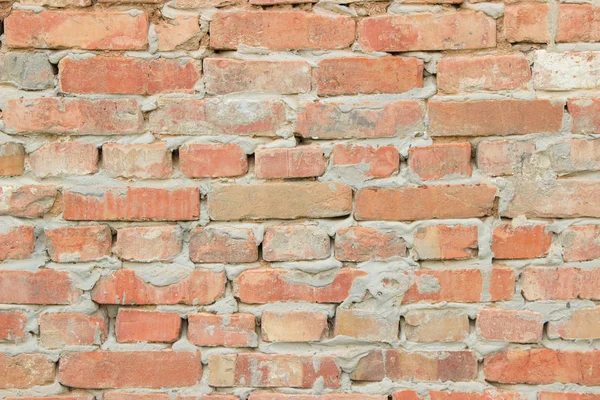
510,325
451,160
71,329
502,283
147,326
17,243
223,245
436,325
512,242
153,243
584,112
235,330
527,22
46,286
212,160
12,159
31,201
379,162
79,243
25,370
452,285
366,325
565,283
293,326
578,23
12,325
582,324
69,158
144,161
504,157
179,33
295,242
446,242
358,243
297,162
581,243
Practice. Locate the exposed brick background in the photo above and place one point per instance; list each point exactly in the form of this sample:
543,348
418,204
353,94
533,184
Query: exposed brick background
300,200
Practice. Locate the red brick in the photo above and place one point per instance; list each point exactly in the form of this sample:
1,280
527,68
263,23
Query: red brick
366,325
152,243
45,286
449,160
296,162
126,288
260,286
502,283
295,242
120,75
162,396
17,243
214,116
331,396
131,203
494,117
504,157
361,120
427,31
179,33
279,201
144,161
71,329
130,369
370,367
581,243
514,242
62,29
452,285
358,243
356,75
586,115
436,325
272,370
406,395
446,242
469,74
424,202
224,76
31,201
277,30
578,23
70,158
12,159
378,162
25,371
543,366
73,116
293,326
147,326
212,160
527,22
12,325
567,396
223,245
582,324
487,395
565,283
79,243
510,325
235,330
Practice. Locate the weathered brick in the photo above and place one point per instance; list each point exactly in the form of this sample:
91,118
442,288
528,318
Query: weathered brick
279,200
562,283
452,285
567,396
295,242
469,74
12,159
223,245
212,160
131,203
427,31
366,325
445,242
130,369
71,329
277,30
260,286
494,117
17,243
527,241
510,325
585,112
358,243
436,325
424,202
361,120
25,370
120,75
370,367
581,324
543,366
147,326
431,366
104,30
235,330
566,71
574,155
224,76
527,22
78,243
296,162
331,396
179,33
31,201
12,325
162,396
487,395
214,116
503,157
581,243
144,161
68,158
58,4
293,326
578,23
272,370
30,71
73,116
376,162
125,287
152,243
450,160
355,75
45,286
502,283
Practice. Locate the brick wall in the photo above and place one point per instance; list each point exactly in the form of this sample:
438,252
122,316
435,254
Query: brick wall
299,200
